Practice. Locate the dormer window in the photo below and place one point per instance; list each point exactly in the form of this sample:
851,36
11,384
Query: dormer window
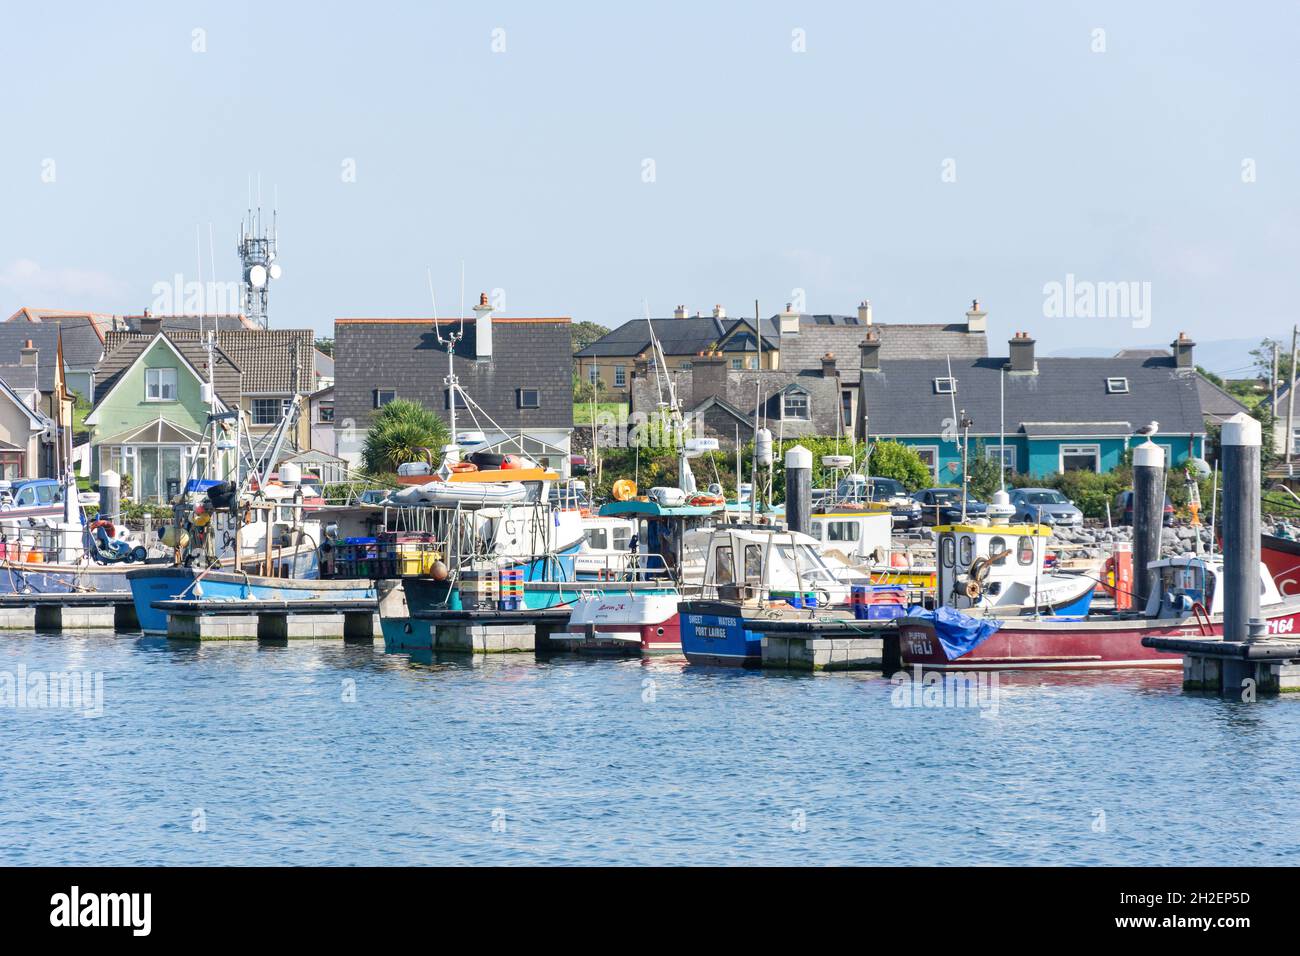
794,405
945,386
1117,385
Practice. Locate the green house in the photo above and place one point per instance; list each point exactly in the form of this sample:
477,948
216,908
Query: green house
151,409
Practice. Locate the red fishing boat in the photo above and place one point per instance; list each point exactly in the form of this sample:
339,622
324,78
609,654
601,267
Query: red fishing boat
1282,557
1186,602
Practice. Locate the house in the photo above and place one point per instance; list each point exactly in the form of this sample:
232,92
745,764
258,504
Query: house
1058,414
808,382
1217,405
83,342
517,372
320,415
31,364
23,430
150,411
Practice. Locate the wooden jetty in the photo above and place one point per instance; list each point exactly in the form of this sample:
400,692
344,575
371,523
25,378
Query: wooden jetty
270,620
74,610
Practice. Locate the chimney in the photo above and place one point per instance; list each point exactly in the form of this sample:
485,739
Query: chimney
28,353
870,352
150,323
864,312
708,377
719,312
679,312
1182,347
828,365
789,320
1022,353
977,320
483,329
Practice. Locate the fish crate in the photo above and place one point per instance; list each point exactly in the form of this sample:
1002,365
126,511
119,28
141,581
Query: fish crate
878,602
354,558
478,590
805,599
510,589
407,554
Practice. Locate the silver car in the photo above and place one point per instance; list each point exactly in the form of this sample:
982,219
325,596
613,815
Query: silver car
1045,506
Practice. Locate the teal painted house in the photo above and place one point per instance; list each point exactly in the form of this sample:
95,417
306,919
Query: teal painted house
1041,415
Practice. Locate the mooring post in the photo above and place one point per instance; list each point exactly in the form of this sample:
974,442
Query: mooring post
798,489
1240,441
1148,515
110,496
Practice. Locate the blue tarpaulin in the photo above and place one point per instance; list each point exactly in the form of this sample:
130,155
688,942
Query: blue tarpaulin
958,633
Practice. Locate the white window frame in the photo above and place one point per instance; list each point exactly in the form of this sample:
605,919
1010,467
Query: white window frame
1117,385
252,411
593,374
945,385
737,364
155,381
785,397
375,396
1008,451
620,376
1083,449
537,398
933,450
1295,440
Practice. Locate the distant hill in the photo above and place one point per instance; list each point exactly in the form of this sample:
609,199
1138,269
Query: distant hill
1229,358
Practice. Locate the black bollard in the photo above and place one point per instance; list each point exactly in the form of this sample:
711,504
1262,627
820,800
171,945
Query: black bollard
1148,515
798,489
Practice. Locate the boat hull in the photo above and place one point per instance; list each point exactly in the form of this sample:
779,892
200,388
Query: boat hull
1039,644
1282,558
716,633
632,623
63,578
171,583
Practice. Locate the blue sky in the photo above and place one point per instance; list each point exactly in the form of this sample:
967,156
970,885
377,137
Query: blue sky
774,170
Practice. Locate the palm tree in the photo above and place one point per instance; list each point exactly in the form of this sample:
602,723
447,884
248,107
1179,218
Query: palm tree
401,432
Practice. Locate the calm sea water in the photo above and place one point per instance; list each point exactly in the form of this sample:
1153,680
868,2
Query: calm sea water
325,753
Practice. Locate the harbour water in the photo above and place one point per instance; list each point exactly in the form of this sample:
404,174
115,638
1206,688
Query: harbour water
317,752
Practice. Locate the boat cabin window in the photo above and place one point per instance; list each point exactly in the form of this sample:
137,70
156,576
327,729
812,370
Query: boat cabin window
724,567
949,549
1181,586
753,564
997,546
816,530
596,539
810,567
622,538
842,531
966,552
1025,549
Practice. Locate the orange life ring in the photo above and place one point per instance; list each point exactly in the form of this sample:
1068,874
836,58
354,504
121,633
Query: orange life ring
461,467
704,501
105,524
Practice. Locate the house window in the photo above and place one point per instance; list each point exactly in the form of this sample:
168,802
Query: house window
794,404
11,465
325,413
846,409
593,374
528,398
269,411
1117,385
945,386
160,385
1295,441
736,365
1008,455
929,455
1080,458
620,376
460,399
382,396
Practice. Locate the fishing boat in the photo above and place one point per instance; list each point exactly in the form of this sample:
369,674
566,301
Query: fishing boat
1187,601
1280,552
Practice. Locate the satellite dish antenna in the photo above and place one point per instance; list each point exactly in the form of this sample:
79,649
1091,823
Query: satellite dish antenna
275,270
257,276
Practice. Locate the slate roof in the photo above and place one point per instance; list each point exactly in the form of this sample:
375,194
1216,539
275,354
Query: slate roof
125,347
818,334
191,323
900,399
263,356
44,337
83,333
18,377
1215,402
404,355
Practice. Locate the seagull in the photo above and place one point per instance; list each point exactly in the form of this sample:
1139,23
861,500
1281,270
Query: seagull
1149,429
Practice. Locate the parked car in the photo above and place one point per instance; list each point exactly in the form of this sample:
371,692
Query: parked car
905,510
1045,506
1124,509
30,493
943,505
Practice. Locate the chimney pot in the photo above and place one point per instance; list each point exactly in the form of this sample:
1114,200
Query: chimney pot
679,312
1182,347
977,320
1021,358
719,312
869,351
864,312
